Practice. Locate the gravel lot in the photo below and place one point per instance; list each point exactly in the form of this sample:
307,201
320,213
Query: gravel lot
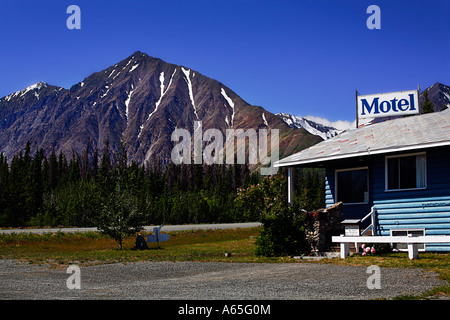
209,281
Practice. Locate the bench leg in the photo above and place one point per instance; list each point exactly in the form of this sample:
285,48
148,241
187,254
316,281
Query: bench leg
413,252
345,249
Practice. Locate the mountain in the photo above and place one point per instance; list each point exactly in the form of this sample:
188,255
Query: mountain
438,94
318,129
140,101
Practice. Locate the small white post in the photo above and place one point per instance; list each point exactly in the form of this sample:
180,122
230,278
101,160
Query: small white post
413,252
372,220
345,249
290,187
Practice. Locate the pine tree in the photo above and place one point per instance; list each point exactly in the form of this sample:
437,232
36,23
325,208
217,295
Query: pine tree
74,168
63,169
122,167
27,156
4,173
105,171
17,207
54,174
34,185
95,168
45,176
84,161
427,106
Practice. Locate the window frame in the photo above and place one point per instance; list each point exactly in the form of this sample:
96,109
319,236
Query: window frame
386,177
402,246
336,184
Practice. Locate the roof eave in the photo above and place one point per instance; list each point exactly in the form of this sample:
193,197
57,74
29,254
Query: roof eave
360,154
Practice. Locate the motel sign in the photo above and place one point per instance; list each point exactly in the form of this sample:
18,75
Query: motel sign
388,104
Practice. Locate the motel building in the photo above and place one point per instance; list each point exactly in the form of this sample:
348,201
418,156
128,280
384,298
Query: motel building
392,175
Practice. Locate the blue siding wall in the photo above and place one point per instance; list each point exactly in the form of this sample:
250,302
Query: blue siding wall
428,208
329,189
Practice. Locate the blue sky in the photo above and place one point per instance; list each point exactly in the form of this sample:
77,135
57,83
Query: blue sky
304,57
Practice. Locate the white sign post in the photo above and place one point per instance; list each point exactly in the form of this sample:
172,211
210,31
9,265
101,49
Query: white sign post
387,104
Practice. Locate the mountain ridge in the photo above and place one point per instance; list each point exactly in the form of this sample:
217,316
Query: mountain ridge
140,101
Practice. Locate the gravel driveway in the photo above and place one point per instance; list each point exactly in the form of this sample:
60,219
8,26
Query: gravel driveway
209,280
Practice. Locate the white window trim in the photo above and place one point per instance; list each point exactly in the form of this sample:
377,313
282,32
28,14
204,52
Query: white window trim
401,156
391,231
351,169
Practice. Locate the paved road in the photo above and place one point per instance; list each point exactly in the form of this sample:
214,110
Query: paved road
146,228
210,281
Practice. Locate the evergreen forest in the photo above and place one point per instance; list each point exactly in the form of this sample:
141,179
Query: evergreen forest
56,190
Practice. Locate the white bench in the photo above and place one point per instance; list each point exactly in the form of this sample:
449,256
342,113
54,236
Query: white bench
412,242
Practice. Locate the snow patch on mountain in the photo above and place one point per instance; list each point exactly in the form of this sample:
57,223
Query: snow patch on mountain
23,92
189,83
114,70
163,91
264,119
230,102
127,103
106,93
315,125
447,96
35,86
134,67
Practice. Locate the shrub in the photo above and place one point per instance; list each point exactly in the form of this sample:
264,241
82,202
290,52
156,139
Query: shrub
282,230
281,234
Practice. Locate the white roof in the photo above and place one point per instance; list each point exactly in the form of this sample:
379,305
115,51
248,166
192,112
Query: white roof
409,133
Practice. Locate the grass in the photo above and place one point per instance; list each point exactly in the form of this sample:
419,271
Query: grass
433,262
58,250
61,249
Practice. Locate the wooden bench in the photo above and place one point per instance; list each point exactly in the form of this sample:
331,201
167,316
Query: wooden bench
412,242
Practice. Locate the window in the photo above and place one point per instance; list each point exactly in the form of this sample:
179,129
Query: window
407,232
352,185
406,172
